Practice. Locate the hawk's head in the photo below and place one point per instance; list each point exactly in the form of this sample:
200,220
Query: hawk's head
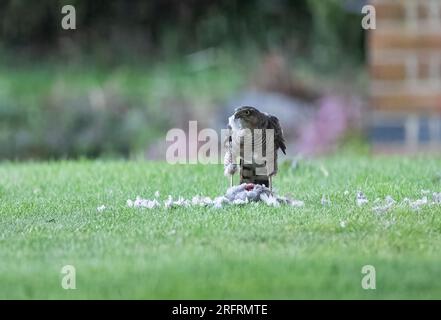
248,117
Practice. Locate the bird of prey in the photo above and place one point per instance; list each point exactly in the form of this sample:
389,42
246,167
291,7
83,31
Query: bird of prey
257,164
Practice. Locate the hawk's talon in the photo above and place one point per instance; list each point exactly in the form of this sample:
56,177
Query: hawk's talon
230,169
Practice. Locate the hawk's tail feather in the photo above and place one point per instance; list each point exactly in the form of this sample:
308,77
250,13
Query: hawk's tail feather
248,174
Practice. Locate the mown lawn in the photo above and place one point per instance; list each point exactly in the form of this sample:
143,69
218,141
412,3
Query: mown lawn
49,218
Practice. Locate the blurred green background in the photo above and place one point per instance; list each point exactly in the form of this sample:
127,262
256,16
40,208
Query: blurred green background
134,69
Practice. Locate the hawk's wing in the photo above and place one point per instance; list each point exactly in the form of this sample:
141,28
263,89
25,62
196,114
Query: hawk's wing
279,140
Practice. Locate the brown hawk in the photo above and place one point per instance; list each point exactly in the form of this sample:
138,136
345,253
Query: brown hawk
250,133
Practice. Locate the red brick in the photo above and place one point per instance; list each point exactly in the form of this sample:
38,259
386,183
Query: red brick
423,11
423,70
407,102
391,40
390,11
388,72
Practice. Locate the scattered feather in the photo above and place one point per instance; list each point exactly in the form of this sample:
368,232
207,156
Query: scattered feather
361,199
417,204
389,202
169,202
254,194
436,197
219,202
237,195
240,201
325,201
270,200
296,203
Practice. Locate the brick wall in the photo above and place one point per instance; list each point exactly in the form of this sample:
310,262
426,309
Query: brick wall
405,69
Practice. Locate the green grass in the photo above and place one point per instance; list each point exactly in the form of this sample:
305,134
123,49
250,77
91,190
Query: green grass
48,219
142,95
31,86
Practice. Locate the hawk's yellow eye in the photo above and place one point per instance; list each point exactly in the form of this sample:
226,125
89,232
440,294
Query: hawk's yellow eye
247,112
